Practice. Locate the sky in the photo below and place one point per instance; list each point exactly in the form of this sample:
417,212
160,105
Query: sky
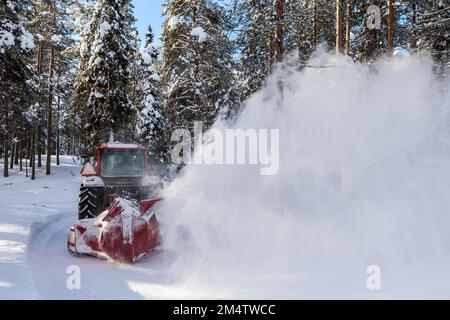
148,12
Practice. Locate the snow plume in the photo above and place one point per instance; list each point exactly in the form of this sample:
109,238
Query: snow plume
364,180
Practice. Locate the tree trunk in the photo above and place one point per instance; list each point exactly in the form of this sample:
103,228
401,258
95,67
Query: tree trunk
314,25
390,32
11,163
279,50
348,27
28,148
16,157
338,27
271,44
413,22
40,62
5,163
20,157
279,33
26,167
40,58
27,151
39,147
33,162
74,140
50,99
58,150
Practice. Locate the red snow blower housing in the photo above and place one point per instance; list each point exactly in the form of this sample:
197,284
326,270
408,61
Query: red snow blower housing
122,233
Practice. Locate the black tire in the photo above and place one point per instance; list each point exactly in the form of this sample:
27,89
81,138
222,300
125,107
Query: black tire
88,203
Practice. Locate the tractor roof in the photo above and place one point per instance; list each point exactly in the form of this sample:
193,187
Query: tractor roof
118,145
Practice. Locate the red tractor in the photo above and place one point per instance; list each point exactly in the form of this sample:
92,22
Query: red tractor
117,206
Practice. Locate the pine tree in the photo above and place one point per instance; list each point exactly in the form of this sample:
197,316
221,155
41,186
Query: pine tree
348,26
152,125
254,44
65,73
279,29
368,44
16,90
321,24
197,66
82,15
135,67
390,28
54,60
339,26
40,27
107,72
51,73
269,30
430,30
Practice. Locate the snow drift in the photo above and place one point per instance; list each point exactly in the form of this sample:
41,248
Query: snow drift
364,180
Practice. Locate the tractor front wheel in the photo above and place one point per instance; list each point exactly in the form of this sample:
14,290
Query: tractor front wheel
88,203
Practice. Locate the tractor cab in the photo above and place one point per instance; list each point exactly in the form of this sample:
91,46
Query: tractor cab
121,170
122,161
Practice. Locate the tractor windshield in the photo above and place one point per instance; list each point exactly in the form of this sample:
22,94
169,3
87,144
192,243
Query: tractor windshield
122,162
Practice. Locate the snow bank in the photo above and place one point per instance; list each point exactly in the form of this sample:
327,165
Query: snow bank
364,180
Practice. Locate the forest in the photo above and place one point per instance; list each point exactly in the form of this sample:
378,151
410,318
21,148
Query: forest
73,71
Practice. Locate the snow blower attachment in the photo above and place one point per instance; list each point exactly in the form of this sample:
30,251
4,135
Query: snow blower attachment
122,233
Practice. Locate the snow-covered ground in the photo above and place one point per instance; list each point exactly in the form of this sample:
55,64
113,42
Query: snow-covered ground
25,205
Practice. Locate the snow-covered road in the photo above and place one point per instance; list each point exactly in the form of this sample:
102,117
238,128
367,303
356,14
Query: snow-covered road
23,204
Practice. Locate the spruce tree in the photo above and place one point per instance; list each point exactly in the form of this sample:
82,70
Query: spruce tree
197,71
106,78
430,31
254,44
82,15
16,89
152,124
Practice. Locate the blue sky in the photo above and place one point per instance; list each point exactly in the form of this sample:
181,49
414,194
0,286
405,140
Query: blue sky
148,12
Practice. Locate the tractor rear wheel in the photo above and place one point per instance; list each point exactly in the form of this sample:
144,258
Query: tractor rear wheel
88,203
